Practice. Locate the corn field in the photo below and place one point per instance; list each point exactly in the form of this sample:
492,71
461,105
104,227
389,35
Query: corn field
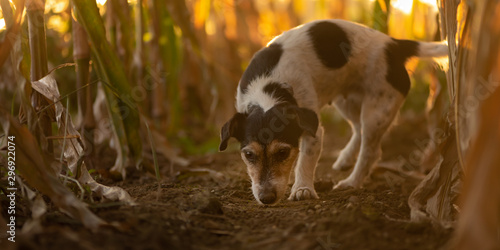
110,115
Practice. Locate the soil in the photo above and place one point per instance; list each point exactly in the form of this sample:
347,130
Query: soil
210,206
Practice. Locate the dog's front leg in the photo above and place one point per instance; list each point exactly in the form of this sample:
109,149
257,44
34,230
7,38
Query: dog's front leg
310,150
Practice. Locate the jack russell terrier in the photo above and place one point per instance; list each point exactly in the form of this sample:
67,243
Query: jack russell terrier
359,70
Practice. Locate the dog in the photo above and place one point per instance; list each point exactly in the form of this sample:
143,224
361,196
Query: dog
359,70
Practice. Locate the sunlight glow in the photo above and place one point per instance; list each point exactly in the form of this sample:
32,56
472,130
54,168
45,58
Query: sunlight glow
2,24
404,6
101,2
56,22
56,6
210,27
431,3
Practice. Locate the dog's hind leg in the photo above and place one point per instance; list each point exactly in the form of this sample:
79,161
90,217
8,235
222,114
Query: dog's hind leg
377,113
349,106
310,150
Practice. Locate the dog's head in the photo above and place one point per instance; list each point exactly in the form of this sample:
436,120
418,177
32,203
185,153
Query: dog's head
269,145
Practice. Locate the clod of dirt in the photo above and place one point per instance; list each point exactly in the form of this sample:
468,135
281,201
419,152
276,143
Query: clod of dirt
212,207
354,199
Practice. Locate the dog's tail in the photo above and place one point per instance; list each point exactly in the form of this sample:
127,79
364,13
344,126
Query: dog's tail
432,49
438,51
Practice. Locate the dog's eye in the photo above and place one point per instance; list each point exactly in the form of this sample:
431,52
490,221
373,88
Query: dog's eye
251,157
282,154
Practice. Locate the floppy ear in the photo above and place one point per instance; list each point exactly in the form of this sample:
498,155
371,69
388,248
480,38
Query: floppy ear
307,120
232,128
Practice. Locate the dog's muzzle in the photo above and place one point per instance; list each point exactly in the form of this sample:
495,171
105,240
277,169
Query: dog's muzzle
268,196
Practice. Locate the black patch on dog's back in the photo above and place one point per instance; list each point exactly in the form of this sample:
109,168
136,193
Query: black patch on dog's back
397,52
262,64
331,44
278,92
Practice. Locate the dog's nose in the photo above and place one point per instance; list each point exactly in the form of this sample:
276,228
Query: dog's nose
267,197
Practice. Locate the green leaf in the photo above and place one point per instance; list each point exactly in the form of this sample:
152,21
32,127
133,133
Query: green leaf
153,150
380,15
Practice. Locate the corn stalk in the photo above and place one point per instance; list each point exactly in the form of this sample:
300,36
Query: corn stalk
478,123
38,49
470,129
81,55
168,48
139,56
124,33
123,110
158,111
434,198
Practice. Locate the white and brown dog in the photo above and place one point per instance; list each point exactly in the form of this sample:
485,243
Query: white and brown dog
359,70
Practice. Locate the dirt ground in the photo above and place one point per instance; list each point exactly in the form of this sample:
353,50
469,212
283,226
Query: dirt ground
213,208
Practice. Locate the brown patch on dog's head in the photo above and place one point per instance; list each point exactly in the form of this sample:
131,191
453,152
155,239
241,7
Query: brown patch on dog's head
269,167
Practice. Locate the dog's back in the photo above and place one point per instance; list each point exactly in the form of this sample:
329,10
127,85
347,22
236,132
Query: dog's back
320,59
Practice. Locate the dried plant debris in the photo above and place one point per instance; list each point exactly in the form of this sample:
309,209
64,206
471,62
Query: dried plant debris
47,86
36,170
38,209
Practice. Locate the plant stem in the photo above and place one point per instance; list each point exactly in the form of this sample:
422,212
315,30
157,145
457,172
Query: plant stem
81,55
38,48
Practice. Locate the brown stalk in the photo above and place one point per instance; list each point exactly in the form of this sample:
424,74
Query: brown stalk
39,69
139,57
158,111
81,55
124,36
110,23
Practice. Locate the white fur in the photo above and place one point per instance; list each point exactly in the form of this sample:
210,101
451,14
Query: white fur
432,49
255,96
359,90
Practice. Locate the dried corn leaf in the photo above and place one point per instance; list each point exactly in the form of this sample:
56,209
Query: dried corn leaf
74,151
114,133
35,169
25,190
38,209
433,199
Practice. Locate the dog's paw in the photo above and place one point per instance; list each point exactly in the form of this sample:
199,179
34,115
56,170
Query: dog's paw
346,184
303,193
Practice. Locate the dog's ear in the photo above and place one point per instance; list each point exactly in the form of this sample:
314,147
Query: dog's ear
233,128
307,120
